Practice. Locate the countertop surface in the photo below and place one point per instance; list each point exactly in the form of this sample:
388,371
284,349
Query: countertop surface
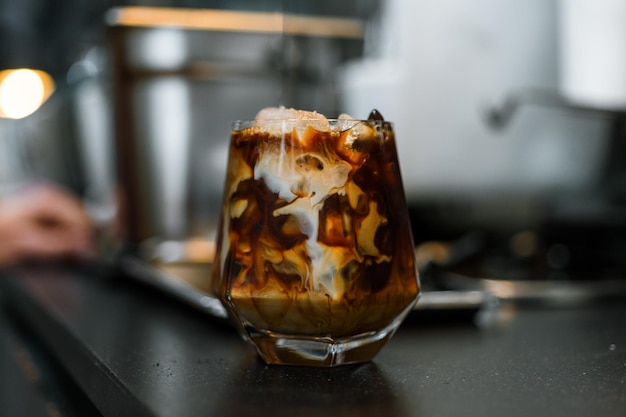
129,349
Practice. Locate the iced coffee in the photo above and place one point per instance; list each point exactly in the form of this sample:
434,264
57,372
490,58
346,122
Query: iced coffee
315,255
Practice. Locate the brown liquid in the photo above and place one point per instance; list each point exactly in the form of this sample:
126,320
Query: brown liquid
315,232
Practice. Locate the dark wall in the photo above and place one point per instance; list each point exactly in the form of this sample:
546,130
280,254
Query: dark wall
51,34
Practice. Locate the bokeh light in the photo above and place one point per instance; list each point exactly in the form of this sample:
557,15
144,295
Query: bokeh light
23,91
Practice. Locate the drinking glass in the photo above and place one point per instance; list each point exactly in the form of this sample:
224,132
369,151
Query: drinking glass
315,258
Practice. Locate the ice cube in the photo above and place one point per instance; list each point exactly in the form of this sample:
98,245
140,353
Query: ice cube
376,116
276,113
284,113
345,122
280,120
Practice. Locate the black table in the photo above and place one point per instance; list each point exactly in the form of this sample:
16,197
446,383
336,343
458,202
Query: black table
119,348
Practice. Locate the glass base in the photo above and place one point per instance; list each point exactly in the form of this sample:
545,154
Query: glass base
276,349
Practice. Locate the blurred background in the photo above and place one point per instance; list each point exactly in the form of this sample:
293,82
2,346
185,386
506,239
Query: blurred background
509,116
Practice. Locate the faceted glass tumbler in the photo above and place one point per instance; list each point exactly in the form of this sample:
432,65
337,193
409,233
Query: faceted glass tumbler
315,258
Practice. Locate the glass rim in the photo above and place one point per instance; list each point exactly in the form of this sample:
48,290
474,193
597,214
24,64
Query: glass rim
350,123
332,119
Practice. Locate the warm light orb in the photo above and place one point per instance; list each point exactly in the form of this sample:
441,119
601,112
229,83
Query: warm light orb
23,91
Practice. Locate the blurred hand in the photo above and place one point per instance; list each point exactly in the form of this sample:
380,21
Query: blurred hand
45,223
